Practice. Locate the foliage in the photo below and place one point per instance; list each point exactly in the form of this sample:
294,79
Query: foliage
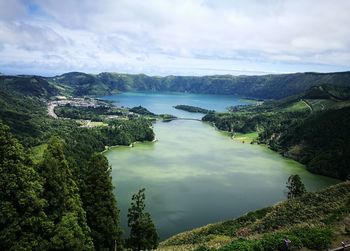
64,207
295,186
42,205
143,234
23,220
100,204
316,238
324,139
141,110
243,245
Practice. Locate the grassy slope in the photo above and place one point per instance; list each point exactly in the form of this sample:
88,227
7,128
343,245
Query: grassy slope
328,208
246,137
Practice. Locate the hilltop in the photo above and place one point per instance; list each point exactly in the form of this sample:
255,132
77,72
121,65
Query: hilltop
259,87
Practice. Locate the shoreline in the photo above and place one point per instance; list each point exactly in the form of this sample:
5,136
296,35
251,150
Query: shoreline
107,148
229,134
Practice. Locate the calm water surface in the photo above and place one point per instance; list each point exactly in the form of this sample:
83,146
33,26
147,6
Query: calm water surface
194,174
162,103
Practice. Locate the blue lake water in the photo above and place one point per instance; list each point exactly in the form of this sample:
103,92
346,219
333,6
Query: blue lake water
163,103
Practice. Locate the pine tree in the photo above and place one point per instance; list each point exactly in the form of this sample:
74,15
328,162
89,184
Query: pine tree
143,234
70,231
295,186
22,219
100,205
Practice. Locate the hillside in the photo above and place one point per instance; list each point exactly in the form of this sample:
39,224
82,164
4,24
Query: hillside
311,128
23,107
53,173
315,221
259,87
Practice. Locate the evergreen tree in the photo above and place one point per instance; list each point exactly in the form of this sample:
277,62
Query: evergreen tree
295,186
70,231
100,205
22,219
143,234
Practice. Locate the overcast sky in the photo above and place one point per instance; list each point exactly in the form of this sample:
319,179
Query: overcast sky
179,37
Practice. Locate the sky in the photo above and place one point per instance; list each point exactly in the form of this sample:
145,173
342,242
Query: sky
174,37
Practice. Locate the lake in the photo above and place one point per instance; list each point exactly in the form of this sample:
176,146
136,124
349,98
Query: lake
195,174
164,102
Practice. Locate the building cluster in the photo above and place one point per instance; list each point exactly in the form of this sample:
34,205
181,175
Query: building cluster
78,102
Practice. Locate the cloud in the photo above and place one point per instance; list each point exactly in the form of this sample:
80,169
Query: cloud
178,36
12,10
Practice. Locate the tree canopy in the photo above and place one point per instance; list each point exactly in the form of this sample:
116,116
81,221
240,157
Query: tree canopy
100,205
295,186
22,220
64,207
143,234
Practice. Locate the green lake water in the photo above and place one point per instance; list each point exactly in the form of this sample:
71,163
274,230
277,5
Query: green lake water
195,175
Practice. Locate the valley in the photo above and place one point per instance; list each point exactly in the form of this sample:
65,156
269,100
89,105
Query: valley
232,158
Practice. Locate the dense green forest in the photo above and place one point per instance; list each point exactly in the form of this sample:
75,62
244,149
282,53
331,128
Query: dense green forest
48,200
260,87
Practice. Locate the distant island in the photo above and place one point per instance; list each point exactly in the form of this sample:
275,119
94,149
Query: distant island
194,109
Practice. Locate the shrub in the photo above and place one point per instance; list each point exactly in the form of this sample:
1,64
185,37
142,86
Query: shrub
271,242
314,238
243,245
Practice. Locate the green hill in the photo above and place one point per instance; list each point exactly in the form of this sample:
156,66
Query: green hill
315,221
312,128
23,106
260,87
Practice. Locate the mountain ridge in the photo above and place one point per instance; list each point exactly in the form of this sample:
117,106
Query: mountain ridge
272,86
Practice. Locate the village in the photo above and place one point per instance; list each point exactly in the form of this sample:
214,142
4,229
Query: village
87,102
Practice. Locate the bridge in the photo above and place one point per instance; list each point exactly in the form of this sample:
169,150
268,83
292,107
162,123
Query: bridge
171,119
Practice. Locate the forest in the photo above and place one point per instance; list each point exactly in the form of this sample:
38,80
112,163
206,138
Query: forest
56,188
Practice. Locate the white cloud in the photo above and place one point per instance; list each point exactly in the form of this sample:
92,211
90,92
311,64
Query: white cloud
177,36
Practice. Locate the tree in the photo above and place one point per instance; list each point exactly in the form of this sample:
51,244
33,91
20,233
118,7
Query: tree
100,205
22,220
295,186
64,209
143,234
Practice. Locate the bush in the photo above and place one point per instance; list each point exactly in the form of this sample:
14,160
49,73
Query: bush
314,238
243,245
271,242
203,248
